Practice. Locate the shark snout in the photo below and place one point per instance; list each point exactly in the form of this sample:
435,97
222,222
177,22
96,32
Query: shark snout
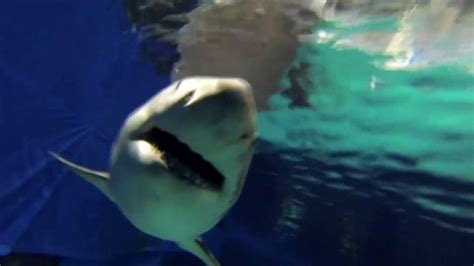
218,88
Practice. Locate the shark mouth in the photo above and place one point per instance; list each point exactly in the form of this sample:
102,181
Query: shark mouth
184,162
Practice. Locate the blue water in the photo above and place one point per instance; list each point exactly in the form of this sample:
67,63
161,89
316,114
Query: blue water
360,175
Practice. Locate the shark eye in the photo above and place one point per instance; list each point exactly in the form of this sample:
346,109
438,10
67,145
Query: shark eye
188,96
245,136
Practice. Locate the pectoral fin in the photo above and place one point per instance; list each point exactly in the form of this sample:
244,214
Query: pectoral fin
197,247
97,178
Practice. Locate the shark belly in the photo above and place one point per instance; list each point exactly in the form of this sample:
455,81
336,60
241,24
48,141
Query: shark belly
163,208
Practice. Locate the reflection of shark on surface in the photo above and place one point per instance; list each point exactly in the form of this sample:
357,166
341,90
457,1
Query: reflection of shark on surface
180,160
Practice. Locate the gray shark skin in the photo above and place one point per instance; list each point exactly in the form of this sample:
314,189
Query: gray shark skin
180,160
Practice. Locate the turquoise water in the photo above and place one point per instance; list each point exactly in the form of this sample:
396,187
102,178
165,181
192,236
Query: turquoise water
373,166
369,118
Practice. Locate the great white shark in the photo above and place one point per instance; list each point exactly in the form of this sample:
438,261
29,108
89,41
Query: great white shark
180,160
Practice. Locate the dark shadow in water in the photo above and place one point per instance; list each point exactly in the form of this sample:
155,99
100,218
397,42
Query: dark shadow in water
335,215
29,260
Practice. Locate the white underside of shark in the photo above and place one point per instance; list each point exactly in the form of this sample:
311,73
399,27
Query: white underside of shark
180,160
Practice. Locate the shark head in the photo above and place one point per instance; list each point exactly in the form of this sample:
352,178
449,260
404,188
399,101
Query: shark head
180,160
188,148
200,130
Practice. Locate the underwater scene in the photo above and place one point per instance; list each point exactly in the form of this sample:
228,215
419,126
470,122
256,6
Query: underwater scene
237,133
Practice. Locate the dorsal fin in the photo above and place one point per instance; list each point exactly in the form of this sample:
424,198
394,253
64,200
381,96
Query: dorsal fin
96,178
